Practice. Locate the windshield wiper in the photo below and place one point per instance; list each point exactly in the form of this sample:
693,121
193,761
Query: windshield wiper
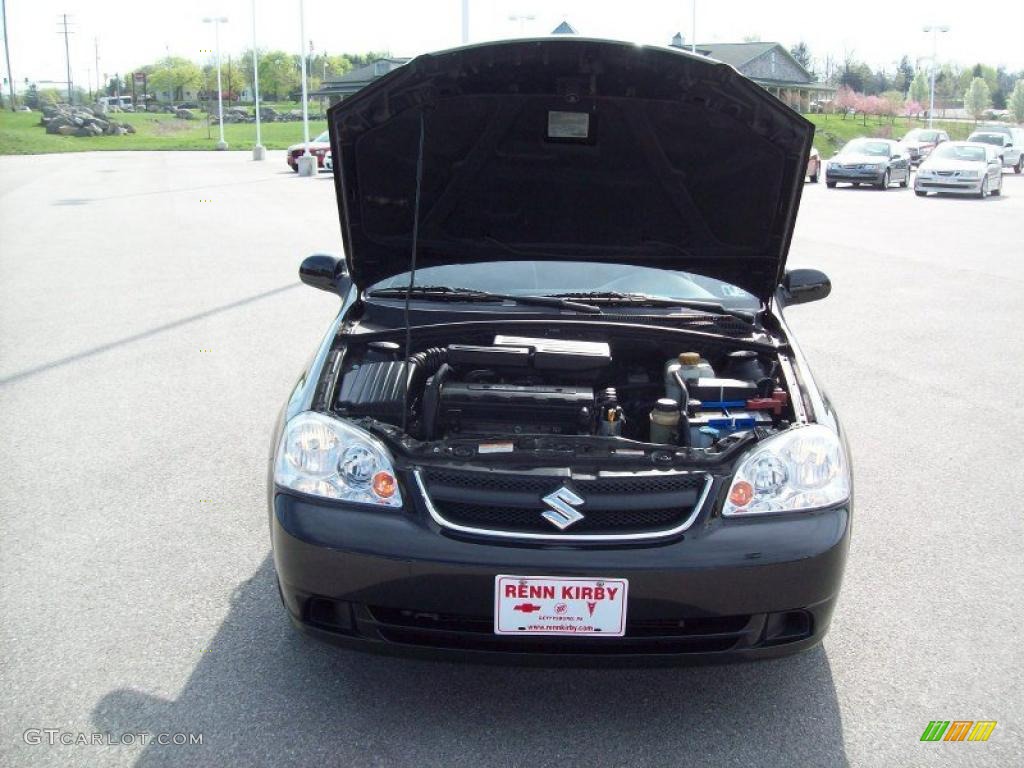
447,293
646,300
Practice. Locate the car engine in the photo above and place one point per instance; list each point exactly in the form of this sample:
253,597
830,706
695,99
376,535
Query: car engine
517,386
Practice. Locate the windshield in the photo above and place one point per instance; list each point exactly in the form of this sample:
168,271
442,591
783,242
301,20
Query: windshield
867,147
918,135
532,278
988,138
323,138
959,152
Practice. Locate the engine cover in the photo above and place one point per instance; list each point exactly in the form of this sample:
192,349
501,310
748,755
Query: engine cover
496,408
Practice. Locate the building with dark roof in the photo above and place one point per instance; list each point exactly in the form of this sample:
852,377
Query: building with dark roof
772,67
337,88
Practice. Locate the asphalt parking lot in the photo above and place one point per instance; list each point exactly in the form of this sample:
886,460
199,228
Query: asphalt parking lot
151,325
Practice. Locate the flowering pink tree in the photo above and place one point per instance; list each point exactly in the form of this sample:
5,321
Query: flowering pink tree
845,100
870,105
913,109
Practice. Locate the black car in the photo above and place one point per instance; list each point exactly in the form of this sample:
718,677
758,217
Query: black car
878,162
559,414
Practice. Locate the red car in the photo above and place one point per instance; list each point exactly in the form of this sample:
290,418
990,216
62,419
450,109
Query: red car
318,147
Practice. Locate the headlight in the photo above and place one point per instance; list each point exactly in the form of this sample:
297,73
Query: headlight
873,166
923,172
799,470
327,457
970,175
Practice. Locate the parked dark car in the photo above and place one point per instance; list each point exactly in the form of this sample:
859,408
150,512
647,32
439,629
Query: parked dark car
877,162
560,415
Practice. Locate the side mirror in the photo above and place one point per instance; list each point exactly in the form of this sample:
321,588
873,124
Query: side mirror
897,157
800,286
326,272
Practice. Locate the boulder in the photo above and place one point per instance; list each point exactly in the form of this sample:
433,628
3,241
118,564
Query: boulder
67,130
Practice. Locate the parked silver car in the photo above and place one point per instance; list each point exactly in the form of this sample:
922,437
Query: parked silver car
1009,145
961,168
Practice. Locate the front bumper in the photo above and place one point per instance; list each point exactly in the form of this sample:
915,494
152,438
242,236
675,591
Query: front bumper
947,185
394,582
854,176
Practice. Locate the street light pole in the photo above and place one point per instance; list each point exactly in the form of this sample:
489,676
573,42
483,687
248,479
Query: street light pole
465,22
217,21
306,164
259,152
935,51
693,29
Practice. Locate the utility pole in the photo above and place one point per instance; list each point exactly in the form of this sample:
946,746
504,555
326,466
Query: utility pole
7,53
67,51
96,48
465,22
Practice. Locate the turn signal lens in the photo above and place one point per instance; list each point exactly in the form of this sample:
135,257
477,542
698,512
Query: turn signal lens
384,485
741,493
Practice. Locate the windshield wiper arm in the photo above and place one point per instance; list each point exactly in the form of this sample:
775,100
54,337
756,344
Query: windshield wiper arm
643,299
447,293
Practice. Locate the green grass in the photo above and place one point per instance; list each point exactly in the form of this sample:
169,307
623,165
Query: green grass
21,134
832,131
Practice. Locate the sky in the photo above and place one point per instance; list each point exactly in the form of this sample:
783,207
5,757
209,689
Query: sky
128,34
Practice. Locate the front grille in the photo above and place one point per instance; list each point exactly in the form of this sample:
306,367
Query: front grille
504,503
671,636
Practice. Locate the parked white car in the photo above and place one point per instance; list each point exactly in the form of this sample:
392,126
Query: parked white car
1009,145
961,168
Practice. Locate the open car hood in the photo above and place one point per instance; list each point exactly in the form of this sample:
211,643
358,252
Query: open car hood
570,149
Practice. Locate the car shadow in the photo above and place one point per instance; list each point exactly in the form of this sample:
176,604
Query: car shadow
263,694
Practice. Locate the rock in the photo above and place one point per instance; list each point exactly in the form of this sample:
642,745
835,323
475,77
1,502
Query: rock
66,130
185,114
128,128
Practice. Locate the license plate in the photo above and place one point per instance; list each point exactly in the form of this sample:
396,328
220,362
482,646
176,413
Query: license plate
556,605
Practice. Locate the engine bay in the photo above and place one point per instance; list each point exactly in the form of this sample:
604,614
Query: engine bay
502,386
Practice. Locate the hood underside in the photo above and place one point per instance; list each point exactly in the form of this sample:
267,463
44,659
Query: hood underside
570,149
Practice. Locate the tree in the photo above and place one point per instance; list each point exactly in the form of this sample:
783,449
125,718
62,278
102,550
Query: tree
802,54
32,97
175,75
279,74
904,75
919,88
1016,101
845,100
978,98
913,109
233,78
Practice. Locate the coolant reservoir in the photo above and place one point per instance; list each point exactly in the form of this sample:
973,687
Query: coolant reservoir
690,366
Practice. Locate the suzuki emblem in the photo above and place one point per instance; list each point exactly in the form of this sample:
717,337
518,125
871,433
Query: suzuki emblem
562,512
